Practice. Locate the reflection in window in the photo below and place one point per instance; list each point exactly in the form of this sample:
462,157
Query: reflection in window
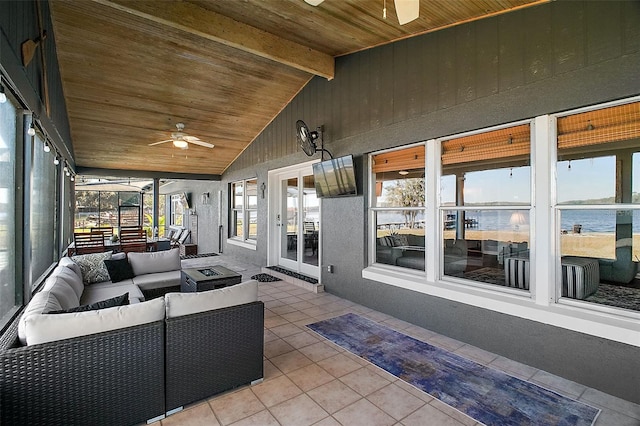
484,207
399,207
598,181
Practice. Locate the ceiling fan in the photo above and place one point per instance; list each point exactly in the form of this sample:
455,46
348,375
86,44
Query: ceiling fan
407,10
182,140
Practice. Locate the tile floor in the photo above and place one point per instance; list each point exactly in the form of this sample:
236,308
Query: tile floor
310,381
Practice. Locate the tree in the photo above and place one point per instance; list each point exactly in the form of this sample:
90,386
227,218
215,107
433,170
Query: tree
407,193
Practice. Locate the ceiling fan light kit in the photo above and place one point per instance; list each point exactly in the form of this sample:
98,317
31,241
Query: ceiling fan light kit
181,140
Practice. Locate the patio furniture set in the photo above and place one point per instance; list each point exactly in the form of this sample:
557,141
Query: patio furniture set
79,354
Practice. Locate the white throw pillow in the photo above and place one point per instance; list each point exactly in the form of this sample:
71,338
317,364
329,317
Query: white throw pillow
68,263
157,261
42,302
92,267
63,291
73,279
179,304
51,327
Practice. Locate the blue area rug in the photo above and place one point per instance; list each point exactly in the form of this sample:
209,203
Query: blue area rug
484,394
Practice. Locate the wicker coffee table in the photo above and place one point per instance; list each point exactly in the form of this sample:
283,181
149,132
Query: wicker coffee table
207,278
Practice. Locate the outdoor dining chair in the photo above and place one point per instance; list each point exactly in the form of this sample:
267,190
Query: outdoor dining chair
88,242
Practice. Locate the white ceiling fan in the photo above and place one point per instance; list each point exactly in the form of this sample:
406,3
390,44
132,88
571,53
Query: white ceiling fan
182,140
407,10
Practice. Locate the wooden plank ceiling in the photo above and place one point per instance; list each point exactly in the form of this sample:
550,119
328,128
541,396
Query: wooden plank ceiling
131,70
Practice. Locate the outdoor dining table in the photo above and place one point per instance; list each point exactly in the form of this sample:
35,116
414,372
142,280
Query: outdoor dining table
153,244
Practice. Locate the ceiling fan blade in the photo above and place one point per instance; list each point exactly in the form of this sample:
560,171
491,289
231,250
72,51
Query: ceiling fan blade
313,2
407,10
190,138
158,143
201,143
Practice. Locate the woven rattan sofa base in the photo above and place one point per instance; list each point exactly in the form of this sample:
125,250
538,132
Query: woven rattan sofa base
212,352
110,378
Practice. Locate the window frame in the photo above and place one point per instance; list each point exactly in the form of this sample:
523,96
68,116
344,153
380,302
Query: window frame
242,212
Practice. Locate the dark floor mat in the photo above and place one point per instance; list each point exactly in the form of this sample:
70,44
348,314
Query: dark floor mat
264,278
195,256
293,274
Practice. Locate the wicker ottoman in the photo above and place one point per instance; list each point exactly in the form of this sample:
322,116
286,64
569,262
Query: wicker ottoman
580,277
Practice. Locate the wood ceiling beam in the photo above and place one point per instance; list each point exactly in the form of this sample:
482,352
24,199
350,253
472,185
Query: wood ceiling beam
212,26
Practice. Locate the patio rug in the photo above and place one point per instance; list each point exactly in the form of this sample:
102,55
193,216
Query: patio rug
484,394
264,278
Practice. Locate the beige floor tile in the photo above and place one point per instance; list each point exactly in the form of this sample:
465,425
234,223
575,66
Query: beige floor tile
334,396
560,384
296,316
452,412
476,354
285,330
339,365
302,339
611,418
429,415
273,303
395,401
269,336
235,406
277,347
263,418
420,394
301,306
274,322
514,368
316,311
329,421
299,411
597,398
284,309
290,361
319,351
275,391
270,371
309,377
198,415
291,299
364,381
363,413
446,342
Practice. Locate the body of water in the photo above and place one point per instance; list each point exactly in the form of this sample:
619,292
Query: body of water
493,220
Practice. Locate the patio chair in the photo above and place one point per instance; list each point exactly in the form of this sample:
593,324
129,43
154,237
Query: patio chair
88,242
133,241
107,231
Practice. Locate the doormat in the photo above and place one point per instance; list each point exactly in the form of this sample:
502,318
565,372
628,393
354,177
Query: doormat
264,278
195,256
482,393
293,274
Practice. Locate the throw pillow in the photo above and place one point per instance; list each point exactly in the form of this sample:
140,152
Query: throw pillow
399,240
119,269
103,304
92,267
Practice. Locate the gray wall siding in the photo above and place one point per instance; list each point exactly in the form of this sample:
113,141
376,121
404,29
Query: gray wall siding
18,23
539,60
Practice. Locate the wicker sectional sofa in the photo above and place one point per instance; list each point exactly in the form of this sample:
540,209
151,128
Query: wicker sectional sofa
125,364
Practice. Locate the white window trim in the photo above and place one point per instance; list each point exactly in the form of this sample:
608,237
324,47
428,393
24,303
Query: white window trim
541,304
240,241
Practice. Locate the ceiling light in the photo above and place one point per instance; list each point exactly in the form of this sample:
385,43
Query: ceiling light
56,160
47,148
32,130
403,172
3,97
180,144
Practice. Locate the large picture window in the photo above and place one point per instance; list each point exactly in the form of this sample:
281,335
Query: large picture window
9,294
599,222
244,211
485,199
398,207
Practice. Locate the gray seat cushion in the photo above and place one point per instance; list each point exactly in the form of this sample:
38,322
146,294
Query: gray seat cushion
157,280
107,290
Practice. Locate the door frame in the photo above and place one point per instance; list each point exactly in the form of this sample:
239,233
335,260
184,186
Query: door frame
273,230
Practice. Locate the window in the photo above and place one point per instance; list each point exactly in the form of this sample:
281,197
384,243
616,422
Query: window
177,210
10,295
398,208
43,204
598,222
244,211
485,198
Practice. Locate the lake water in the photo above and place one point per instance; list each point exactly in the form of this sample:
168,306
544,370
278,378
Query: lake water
492,220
